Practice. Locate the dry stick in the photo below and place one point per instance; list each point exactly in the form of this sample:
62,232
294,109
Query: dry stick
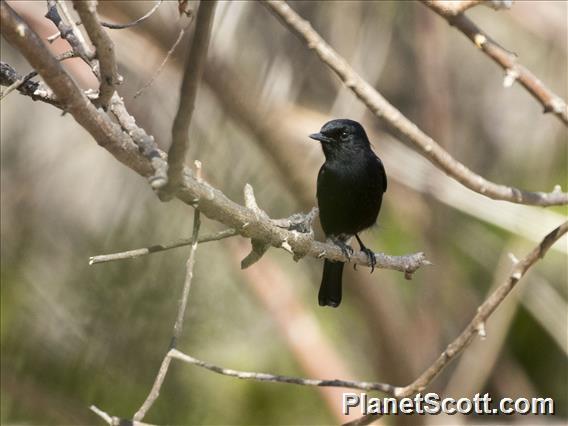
178,325
399,124
16,83
132,254
507,60
112,26
9,76
477,324
163,63
107,133
74,26
115,421
212,202
264,377
193,71
109,77
69,33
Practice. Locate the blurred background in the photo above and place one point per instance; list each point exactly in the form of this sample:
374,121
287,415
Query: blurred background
73,335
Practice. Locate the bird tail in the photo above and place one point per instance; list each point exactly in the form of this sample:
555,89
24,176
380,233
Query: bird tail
330,289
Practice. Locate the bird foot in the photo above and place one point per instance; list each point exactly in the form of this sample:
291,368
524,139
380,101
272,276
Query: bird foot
371,256
346,249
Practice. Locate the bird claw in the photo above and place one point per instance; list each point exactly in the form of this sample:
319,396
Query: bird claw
347,251
371,256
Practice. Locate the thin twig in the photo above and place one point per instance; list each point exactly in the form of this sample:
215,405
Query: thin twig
264,377
193,71
507,60
399,124
112,26
132,254
164,61
115,421
178,325
109,77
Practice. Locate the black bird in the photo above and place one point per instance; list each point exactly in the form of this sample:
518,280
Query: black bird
350,189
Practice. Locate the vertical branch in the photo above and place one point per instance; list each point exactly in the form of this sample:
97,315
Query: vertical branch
192,76
109,77
178,325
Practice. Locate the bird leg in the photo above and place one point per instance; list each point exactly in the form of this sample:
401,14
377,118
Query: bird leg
346,249
370,254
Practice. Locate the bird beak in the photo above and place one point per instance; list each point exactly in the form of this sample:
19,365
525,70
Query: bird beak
320,137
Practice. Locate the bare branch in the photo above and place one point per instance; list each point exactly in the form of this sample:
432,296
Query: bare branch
507,60
399,124
211,202
132,254
112,26
188,92
113,420
109,77
477,324
146,143
178,325
475,327
69,32
9,77
107,133
163,63
108,25
23,84
264,377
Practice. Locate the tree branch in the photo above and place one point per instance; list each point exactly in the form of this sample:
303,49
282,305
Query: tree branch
69,32
113,26
475,327
107,133
264,377
109,77
132,254
477,324
23,84
399,124
178,325
195,192
115,421
188,92
507,60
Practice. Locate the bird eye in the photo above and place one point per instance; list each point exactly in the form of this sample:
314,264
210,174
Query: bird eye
344,135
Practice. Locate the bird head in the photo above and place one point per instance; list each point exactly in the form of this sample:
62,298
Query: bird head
340,137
